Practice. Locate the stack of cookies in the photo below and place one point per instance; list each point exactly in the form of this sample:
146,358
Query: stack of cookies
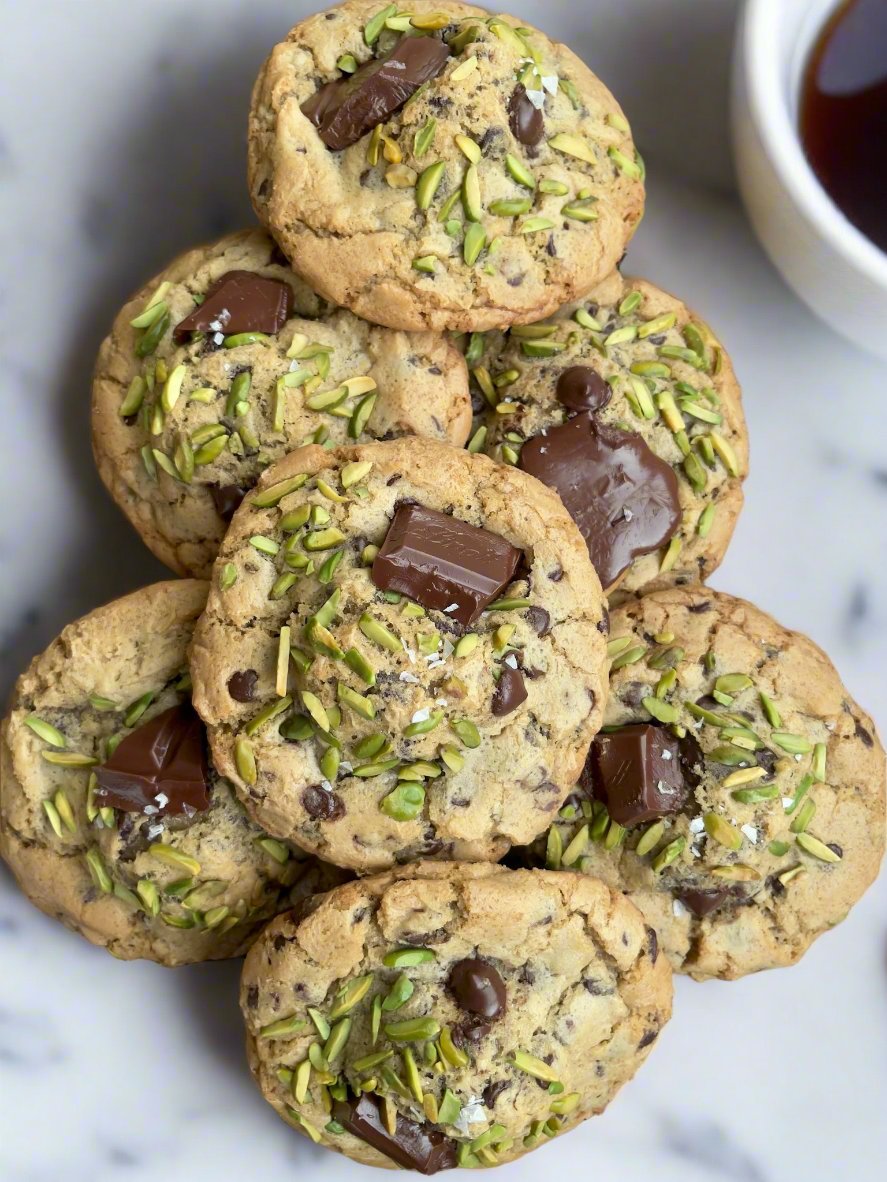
442,487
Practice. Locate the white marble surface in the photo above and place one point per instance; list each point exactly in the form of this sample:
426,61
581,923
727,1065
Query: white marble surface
121,141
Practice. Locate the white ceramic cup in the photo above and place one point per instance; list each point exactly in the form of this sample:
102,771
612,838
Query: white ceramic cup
831,265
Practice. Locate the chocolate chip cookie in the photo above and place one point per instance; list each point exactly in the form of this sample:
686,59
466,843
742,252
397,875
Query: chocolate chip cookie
452,1015
424,634
628,406
111,816
224,363
439,167
736,792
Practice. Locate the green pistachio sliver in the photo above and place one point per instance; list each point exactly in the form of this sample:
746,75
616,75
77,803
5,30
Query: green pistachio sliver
360,704
466,731
98,872
245,761
662,711
272,495
511,207
236,340
706,520
210,452
816,848
778,848
405,802
554,849
650,838
269,712
428,184
64,810
668,854
69,758
453,758
367,770
361,415
756,795
451,1054
153,335
771,713
535,1067
474,242
466,645
792,744
581,211
53,817
508,604
519,172
173,857
535,225
411,1072
357,663
804,816
449,1108
733,683
400,993
274,849
283,1027
424,725
628,657
407,958
721,831
46,732
574,146
335,1044
138,708
412,1029
670,555
472,202
817,767
316,709
577,847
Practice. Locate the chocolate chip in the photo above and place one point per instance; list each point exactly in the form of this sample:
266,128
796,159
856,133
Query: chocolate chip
702,901
525,120
698,608
510,691
443,563
477,988
240,301
603,624
649,1036
227,499
539,620
623,497
242,685
597,988
493,1091
414,1146
638,772
321,805
581,388
345,110
862,733
252,997
160,767
652,944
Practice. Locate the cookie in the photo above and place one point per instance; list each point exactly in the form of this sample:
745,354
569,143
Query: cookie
224,363
628,405
111,817
427,639
440,167
450,1014
737,791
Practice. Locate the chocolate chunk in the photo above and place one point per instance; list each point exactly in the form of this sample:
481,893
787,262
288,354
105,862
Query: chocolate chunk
526,122
345,110
509,693
414,1146
624,499
322,805
493,1091
443,562
227,499
478,988
653,944
539,620
241,301
161,766
470,1033
862,733
648,1037
702,902
637,772
242,685
582,388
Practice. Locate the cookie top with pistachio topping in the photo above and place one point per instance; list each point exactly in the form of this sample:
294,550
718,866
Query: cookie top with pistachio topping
434,166
736,792
225,362
112,818
626,404
452,1015
426,637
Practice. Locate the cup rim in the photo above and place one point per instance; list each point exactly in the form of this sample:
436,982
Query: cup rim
763,69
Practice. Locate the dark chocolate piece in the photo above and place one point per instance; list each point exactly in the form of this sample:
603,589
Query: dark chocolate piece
539,620
322,805
161,767
240,301
345,110
702,902
637,772
414,1146
624,499
242,685
227,499
510,691
478,988
444,563
582,388
526,122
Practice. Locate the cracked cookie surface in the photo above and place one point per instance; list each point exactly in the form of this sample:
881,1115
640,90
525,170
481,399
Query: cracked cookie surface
657,372
184,421
507,185
384,730
171,888
778,828
477,1011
